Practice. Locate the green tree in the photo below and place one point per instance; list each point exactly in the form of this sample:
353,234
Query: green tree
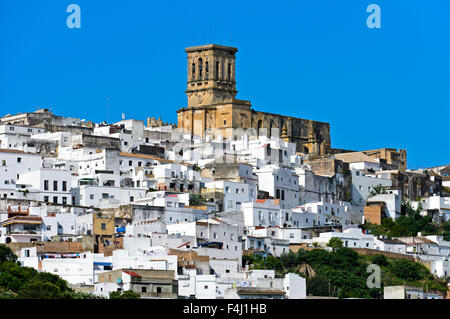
380,260
271,262
39,290
317,286
288,259
335,243
409,270
53,279
196,200
6,254
129,294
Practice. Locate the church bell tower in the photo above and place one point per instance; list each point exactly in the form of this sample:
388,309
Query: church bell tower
210,75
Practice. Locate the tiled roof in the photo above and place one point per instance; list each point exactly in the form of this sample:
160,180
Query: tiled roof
131,273
22,219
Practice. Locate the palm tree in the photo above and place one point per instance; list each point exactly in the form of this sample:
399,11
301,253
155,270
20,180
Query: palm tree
306,270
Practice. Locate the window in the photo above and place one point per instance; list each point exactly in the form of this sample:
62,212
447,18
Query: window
55,199
200,68
55,185
224,122
3,163
64,200
64,186
144,289
103,226
46,185
46,199
49,227
130,163
215,235
91,196
19,160
158,290
227,189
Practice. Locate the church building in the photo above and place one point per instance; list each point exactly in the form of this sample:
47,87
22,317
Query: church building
212,104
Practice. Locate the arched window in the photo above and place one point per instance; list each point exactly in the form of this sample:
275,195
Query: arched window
229,71
270,128
200,68
259,127
193,70
217,69
206,70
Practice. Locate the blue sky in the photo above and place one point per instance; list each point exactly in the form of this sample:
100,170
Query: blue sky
387,87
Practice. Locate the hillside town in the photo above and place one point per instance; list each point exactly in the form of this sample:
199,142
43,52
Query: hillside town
197,209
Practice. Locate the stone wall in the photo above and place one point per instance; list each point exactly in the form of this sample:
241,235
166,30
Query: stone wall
372,252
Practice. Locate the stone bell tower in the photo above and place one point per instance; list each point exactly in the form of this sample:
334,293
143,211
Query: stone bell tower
210,75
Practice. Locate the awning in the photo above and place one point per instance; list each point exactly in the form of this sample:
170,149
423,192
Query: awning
101,263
